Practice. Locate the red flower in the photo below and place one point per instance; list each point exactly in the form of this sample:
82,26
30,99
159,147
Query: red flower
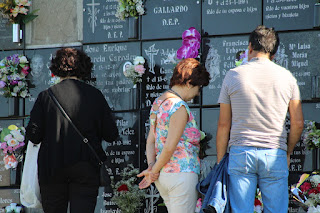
314,191
123,187
257,202
305,187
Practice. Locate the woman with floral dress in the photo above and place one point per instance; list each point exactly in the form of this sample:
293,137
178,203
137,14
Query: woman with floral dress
173,140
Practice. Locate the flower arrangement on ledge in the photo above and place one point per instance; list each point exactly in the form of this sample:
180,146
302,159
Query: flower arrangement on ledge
134,71
190,44
11,140
311,135
127,8
17,11
307,192
126,193
13,72
13,208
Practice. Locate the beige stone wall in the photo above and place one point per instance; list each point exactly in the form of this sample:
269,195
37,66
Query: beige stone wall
59,23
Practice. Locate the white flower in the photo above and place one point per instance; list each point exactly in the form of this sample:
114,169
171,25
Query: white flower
23,60
13,94
315,179
140,9
7,137
313,209
24,94
15,133
309,202
12,142
21,84
138,60
16,89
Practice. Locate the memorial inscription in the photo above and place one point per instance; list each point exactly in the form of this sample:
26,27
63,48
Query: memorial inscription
230,16
171,18
288,14
300,56
108,60
100,23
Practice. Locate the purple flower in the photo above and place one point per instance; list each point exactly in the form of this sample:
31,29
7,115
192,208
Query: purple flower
2,84
187,52
191,41
190,44
14,82
191,32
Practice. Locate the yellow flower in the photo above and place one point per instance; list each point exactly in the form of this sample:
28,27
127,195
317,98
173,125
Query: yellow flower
13,127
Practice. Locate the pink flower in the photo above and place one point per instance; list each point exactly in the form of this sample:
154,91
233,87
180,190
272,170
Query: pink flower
191,32
25,69
140,69
3,145
199,205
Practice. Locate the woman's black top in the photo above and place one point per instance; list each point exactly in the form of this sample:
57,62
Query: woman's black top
61,145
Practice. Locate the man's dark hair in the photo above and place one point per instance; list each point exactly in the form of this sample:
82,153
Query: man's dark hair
264,39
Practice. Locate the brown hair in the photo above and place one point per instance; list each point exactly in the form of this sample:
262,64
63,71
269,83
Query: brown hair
190,70
71,62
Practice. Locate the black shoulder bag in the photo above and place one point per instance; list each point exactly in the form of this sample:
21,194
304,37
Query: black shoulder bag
104,176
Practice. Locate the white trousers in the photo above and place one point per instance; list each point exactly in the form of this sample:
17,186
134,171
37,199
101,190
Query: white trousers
178,190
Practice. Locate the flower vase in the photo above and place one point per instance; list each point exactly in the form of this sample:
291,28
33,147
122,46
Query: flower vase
316,15
133,28
133,97
15,32
15,106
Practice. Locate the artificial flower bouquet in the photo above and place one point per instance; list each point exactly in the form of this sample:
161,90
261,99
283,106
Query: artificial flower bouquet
258,205
311,135
126,192
307,192
13,73
13,208
191,39
241,57
127,8
134,71
17,11
11,139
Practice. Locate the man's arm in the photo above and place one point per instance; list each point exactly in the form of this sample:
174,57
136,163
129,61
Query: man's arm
296,126
224,126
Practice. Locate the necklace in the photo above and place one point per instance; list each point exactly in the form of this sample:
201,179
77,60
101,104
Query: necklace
174,92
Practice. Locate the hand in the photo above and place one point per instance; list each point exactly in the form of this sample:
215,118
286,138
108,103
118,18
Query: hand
149,178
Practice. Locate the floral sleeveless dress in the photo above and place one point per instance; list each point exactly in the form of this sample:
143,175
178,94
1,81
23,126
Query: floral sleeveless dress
186,156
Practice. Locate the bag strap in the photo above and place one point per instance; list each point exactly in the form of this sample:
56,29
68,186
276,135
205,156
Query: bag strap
84,139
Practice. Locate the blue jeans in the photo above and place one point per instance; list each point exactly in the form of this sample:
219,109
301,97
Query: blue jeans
249,166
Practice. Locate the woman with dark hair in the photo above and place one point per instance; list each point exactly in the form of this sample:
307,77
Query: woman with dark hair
173,140
68,170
